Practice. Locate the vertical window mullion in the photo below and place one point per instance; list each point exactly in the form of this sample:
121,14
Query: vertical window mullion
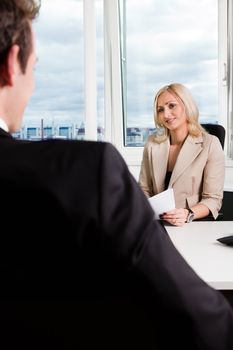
113,86
90,70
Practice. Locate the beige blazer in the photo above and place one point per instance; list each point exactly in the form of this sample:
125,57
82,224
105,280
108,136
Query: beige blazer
197,177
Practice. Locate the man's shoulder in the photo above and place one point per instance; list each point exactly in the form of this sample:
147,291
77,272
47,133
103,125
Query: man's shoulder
65,153
64,146
82,146
69,143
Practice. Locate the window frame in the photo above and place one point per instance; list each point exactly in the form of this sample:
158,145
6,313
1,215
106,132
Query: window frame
114,100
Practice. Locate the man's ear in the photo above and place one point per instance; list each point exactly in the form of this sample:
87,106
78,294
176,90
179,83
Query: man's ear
12,65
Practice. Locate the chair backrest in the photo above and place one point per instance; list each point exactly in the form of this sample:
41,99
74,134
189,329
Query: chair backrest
217,130
227,203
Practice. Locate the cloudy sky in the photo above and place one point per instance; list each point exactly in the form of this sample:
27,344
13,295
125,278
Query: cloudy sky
166,41
59,72
171,41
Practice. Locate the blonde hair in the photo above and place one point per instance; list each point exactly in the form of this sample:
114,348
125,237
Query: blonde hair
181,93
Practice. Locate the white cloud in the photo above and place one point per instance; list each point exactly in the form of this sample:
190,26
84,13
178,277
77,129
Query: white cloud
167,41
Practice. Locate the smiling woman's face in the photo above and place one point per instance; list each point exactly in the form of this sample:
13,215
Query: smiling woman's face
171,111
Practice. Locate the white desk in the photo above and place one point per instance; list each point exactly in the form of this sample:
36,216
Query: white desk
211,260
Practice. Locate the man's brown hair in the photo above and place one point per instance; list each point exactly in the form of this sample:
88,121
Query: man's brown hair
15,17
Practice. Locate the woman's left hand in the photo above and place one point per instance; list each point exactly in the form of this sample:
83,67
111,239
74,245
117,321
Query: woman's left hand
175,217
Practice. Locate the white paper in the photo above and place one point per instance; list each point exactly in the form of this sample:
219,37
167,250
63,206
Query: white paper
163,202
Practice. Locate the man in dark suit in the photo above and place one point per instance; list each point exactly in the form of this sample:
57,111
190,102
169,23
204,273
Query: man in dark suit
83,263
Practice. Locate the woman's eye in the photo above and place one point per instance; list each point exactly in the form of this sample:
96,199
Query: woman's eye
160,110
171,105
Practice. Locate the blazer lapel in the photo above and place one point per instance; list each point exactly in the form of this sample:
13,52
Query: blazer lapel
159,160
190,150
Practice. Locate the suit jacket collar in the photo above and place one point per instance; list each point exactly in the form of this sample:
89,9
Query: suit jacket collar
159,161
3,125
4,133
189,151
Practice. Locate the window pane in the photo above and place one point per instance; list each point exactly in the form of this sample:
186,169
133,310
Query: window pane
164,42
56,108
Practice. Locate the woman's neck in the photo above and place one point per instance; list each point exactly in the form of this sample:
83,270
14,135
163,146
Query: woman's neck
177,137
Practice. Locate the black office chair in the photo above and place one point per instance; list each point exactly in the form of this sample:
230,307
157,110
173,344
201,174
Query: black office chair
227,203
217,130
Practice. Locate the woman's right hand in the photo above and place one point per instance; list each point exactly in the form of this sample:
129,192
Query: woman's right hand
176,217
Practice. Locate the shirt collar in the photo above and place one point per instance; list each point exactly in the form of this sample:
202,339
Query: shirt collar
3,125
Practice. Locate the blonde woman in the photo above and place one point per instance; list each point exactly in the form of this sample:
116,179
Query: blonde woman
182,155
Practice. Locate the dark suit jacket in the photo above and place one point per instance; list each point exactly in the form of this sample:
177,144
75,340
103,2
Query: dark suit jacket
84,265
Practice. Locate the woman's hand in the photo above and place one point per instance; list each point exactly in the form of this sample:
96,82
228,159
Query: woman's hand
175,217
